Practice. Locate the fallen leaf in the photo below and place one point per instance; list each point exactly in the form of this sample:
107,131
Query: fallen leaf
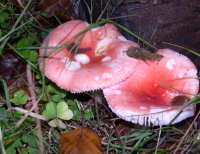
80,141
143,54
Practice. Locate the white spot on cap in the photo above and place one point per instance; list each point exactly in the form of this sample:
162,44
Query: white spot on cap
180,75
107,58
64,60
96,28
82,58
170,64
122,38
96,78
106,75
115,66
73,66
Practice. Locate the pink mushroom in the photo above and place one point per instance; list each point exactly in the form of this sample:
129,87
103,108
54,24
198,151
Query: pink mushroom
100,61
151,95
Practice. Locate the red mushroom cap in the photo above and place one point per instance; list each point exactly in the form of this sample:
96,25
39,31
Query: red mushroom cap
100,62
146,97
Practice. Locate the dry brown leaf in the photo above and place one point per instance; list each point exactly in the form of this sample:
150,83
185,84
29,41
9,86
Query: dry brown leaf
80,141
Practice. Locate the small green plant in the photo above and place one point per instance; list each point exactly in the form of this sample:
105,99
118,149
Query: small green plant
23,48
57,112
20,98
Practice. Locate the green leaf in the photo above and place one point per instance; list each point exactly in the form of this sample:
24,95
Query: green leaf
63,112
50,110
30,140
27,54
20,98
57,98
11,149
26,41
88,114
3,16
51,89
57,123
75,110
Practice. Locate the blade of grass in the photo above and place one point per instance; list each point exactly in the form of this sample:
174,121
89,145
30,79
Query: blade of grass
186,133
181,47
103,11
15,25
193,101
6,91
1,142
160,130
14,49
131,33
14,30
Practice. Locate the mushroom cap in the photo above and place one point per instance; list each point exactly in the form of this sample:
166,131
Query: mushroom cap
100,62
147,96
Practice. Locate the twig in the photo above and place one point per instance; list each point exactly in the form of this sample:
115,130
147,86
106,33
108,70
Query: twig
158,142
33,98
28,113
103,11
182,139
1,143
35,115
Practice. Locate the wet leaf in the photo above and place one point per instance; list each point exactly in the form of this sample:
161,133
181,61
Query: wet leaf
179,100
143,54
80,141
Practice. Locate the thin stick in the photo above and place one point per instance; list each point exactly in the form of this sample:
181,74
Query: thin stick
158,142
33,98
189,128
28,113
1,143
104,10
34,115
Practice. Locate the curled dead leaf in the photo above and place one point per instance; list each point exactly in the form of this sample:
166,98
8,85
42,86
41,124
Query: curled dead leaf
80,141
